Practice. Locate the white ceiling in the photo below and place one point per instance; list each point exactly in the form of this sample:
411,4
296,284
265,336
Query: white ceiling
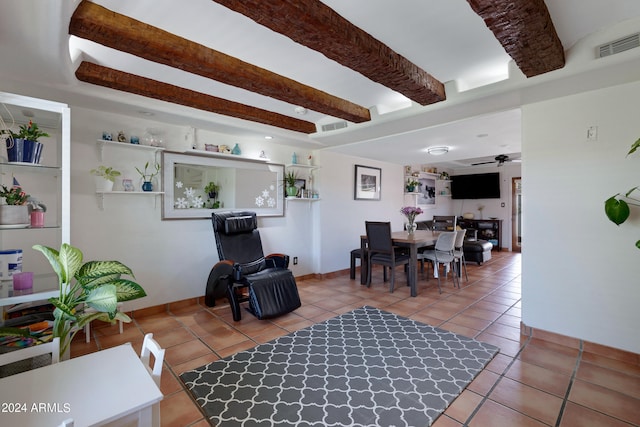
444,37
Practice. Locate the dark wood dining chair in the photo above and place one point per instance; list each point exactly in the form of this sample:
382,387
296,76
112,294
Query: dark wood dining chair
381,250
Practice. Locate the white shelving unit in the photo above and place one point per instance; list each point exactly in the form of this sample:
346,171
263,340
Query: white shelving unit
102,144
49,182
308,169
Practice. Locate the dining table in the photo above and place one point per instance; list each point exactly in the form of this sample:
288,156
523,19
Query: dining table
413,241
93,390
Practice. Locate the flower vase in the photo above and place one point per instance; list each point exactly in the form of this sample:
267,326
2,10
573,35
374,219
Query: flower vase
147,186
411,227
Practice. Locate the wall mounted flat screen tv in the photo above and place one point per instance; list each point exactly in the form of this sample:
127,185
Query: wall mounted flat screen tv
476,186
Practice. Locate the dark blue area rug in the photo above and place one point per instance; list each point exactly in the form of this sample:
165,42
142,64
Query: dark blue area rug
367,367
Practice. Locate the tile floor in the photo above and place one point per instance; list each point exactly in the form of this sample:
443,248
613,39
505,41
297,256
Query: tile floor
533,381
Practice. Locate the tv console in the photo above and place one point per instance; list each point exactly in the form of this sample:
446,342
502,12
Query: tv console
488,229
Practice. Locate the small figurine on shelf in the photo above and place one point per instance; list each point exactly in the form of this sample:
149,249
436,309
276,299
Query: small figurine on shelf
121,137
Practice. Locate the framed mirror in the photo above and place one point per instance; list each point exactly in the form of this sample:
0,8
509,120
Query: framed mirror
196,185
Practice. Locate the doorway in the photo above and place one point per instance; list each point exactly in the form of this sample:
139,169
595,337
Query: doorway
516,214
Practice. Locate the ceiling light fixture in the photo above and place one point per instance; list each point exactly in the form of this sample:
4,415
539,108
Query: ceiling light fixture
437,151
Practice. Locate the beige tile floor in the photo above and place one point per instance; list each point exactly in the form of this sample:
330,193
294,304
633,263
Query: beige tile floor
533,381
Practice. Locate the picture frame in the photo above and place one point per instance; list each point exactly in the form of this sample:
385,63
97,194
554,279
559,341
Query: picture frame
367,183
427,190
300,184
127,185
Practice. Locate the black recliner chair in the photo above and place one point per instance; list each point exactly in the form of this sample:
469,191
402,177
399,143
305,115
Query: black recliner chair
245,274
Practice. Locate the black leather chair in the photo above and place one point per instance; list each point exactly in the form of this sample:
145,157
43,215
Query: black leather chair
245,274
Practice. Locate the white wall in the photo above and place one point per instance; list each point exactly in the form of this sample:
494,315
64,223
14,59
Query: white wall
171,259
580,274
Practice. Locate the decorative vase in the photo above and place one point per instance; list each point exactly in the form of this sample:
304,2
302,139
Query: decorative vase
147,186
292,191
14,215
23,150
103,185
236,150
410,188
411,227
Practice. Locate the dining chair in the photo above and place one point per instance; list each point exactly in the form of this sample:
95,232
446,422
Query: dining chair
442,254
458,253
52,347
149,347
380,250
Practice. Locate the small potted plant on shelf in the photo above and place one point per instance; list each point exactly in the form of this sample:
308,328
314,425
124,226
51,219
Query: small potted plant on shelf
290,184
23,146
105,176
411,185
148,175
15,211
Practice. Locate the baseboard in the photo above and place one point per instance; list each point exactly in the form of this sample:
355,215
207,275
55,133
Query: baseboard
586,346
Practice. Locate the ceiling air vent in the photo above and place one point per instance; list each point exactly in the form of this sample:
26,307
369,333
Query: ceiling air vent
334,126
618,46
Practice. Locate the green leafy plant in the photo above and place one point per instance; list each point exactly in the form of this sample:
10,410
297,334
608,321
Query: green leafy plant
14,195
290,178
95,284
29,131
148,176
211,187
107,173
617,207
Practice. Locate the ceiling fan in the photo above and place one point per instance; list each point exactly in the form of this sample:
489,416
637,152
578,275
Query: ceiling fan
499,159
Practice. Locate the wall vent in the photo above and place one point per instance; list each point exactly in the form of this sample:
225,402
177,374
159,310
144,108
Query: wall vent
334,126
619,45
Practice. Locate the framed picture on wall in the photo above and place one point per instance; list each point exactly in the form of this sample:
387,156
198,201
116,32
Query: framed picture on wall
367,183
427,191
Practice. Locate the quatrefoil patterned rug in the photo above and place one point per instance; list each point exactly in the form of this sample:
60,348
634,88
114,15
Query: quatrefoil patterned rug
367,367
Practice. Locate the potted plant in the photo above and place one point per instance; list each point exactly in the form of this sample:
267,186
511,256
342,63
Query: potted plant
96,284
15,211
148,175
290,184
105,177
212,190
617,207
23,146
411,185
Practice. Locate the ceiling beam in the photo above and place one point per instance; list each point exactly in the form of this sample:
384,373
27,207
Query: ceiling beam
96,23
313,24
525,30
119,80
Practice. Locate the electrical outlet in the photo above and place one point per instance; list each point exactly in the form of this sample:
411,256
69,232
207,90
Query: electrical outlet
295,260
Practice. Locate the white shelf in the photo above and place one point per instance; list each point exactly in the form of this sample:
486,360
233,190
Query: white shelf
302,199
224,155
100,195
101,143
302,166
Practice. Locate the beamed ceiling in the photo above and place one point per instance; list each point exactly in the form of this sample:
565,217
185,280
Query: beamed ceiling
523,27
376,79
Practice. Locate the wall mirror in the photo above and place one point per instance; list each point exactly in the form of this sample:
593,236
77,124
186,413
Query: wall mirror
196,185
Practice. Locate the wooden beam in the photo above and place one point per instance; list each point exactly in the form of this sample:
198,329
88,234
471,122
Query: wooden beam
525,30
313,24
96,23
119,80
